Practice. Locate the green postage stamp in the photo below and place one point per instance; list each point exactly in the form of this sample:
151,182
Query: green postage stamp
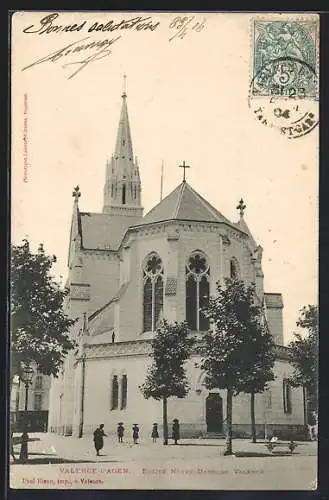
284,86
285,58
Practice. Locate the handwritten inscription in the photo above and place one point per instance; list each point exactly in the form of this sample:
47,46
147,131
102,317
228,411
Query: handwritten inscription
46,25
100,47
182,25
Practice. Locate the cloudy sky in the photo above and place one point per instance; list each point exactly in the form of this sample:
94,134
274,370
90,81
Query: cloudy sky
187,100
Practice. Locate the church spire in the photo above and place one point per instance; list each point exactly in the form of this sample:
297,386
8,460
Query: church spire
122,183
123,147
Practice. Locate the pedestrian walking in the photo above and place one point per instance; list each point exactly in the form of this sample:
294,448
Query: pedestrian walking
120,431
99,438
175,430
155,433
135,433
23,456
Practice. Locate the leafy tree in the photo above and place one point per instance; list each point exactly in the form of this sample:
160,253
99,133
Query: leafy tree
304,354
171,347
261,363
39,327
230,348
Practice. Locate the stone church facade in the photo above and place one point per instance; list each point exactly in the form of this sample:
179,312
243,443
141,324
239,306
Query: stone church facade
126,272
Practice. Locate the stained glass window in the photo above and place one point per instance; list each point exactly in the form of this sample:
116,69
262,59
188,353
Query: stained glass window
153,292
197,290
234,269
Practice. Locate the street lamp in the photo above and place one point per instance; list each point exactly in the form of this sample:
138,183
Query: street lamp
26,377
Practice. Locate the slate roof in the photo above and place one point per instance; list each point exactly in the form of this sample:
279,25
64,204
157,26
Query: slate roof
273,300
184,203
100,231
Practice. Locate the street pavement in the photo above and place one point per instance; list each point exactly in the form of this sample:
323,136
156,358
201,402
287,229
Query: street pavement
60,462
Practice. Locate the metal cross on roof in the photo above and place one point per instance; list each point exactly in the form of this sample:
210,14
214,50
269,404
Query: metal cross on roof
184,167
241,207
76,193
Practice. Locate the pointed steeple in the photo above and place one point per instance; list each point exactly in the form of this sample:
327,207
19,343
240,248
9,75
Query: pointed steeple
122,189
124,147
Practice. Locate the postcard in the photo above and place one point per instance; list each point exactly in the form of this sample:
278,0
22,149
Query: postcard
164,250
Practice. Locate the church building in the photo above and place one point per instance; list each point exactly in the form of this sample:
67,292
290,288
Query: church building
127,271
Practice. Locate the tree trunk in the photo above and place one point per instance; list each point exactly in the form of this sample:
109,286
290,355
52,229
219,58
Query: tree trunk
252,415
305,398
229,400
165,421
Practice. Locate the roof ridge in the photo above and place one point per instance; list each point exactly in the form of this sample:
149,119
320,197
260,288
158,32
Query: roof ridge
179,199
208,205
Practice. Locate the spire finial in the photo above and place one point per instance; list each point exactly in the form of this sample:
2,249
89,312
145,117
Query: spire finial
241,207
124,85
76,194
184,167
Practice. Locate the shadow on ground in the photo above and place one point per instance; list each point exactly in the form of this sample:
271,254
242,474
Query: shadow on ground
244,454
58,460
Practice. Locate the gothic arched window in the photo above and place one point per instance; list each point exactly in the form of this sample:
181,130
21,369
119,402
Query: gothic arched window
124,386
287,406
234,269
153,291
115,393
124,194
197,290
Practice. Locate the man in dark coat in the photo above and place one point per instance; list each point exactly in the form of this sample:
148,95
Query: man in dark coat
135,433
98,438
175,430
120,431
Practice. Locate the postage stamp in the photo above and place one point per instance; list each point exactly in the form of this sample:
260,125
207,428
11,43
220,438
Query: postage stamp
285,59
284,87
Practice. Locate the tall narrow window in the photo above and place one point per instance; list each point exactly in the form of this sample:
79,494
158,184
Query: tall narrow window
153,292
38,382
287,407
268,398
123,194
124,386
112,190
115,393
234,269
37,402
197,290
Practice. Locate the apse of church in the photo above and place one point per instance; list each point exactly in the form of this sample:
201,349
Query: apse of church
126,272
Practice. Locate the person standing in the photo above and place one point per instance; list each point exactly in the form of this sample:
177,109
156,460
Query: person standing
23,456
120,431
312,426
99,438
155,433
175,430
135,433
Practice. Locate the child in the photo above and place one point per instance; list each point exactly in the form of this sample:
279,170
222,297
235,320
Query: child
155,433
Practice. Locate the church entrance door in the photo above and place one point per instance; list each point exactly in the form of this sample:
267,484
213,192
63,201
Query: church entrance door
214,413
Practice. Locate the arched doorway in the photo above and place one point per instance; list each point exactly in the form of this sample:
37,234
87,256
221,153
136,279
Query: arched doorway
214,412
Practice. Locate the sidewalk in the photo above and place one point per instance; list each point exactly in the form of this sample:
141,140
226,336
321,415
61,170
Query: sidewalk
53,448
58,462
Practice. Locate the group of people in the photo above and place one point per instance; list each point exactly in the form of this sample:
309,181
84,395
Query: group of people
99,434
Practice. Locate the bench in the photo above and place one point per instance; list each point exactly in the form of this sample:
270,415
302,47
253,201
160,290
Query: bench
271,445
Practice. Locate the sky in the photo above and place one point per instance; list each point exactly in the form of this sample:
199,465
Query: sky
187,100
